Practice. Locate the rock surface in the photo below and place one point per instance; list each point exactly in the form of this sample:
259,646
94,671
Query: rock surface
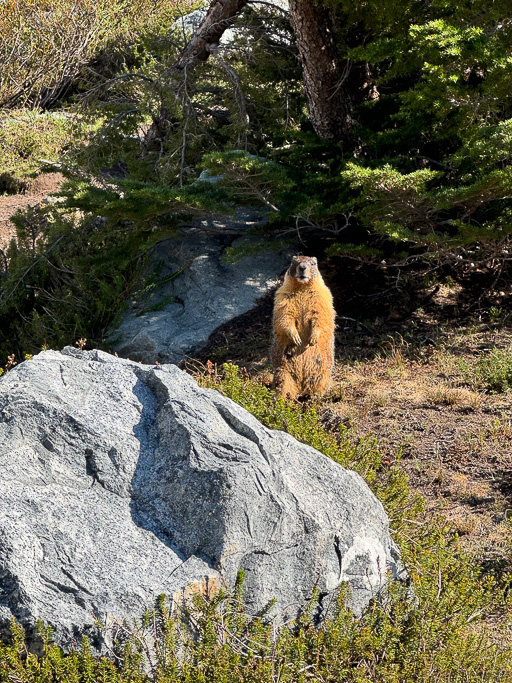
176,317
120,482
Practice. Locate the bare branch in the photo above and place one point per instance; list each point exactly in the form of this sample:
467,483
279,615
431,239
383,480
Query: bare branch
219,17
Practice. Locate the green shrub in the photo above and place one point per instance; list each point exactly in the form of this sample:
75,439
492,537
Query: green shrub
45,45
26,139
495,370
68,277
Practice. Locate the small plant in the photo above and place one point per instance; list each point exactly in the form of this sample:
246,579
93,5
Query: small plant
26,138
11,362
495,370
495,313
444,395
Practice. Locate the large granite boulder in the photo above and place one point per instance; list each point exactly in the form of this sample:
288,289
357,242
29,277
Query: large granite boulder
119,482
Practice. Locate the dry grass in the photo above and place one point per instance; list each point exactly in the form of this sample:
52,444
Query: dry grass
454,441
445,395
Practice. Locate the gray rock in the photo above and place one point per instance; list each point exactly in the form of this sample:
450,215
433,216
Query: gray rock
207,176
120,482
189,23
182,312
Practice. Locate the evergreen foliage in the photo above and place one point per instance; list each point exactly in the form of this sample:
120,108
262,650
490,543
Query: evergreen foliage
67,278
159,122
433,170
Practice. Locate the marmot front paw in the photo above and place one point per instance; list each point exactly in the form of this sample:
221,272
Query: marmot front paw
295,337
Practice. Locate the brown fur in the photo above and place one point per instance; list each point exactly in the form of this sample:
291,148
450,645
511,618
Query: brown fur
302,351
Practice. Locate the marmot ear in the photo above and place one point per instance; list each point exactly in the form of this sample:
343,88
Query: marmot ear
314,260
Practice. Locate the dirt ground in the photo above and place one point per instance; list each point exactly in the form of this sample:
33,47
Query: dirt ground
453,439
38,189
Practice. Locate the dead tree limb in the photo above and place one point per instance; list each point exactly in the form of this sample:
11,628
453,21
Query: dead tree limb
219,17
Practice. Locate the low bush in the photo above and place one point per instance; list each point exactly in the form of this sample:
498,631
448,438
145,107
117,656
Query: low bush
495,370
45,45
27,140
492,371
68,277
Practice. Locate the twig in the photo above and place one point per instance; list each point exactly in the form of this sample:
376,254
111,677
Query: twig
6,263
345,317
268,4
213,231
33,265
113,80
237,87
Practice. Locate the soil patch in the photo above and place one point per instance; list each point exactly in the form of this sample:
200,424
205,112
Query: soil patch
39,188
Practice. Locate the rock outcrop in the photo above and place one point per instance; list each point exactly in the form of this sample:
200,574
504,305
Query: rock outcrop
119,482
196,291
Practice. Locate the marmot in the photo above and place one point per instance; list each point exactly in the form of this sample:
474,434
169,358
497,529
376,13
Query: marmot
302,351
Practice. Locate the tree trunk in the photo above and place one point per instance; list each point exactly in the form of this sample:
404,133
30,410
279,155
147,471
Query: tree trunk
219,17
325,72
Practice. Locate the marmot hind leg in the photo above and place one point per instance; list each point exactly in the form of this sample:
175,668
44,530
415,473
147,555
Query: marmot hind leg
285,385
316,373
320,387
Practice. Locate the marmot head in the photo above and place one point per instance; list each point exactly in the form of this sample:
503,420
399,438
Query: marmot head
303,268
